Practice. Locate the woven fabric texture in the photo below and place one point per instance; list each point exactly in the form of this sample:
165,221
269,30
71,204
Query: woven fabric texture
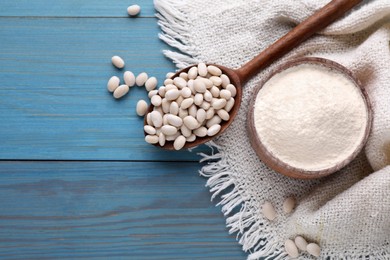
347,213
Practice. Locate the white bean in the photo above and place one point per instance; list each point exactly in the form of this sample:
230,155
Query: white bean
141,79
172,137
151,139
156,118
201,131
142,107
205,105
198,99
165,120
156,100
133,10
190,85
174,120
213,121
225,80
168,130
174,108
183,113
129,78
186,92
202,69
301,243
192,110
179,99
165,105
169,75
150,130
229,105
201,115
218,104
190,122
113,83
213,70
184,76
291,248
223,114
170,87
191,138
217,81
210,113
152,93
180,82
151,83
148,119
185,131
161,139
232,89
213,130
268,211
168,81
226,94
172,94
118,62
121,91
314,249
193,73
161,91
158,109
289,205
207,96
179,142
186,103
199,86
209,84
214,91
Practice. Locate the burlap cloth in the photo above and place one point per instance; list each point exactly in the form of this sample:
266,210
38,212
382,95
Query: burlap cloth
348,213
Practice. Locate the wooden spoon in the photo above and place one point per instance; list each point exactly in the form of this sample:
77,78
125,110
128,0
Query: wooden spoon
316,22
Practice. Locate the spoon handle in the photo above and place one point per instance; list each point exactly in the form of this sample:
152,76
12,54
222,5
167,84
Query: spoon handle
316,22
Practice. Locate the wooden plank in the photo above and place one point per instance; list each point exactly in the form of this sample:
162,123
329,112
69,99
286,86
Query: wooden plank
53,98
73,8
109,210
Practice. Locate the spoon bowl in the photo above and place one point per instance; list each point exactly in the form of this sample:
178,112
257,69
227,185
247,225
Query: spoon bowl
236,81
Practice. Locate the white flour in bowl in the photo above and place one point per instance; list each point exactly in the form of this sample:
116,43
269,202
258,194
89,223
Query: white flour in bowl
310,117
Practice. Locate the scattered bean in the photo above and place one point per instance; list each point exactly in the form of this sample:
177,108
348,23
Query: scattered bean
291,248
133,10
152,93
129,78
301,243
141,79
169,75
121,91
313,249
268,211
118,62
113,83
161,91
289,205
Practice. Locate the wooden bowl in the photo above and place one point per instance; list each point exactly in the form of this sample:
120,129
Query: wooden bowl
276,164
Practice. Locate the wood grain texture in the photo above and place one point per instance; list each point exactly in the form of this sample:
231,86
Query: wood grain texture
118,210
73,8
53,98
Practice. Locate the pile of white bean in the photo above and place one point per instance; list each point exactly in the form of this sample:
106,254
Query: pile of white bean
189,106
292,247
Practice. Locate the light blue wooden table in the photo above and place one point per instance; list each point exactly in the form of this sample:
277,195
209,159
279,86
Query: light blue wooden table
76,178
